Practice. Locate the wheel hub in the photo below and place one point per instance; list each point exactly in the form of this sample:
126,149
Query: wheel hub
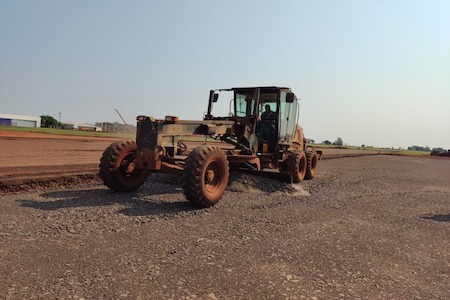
210,176
130,168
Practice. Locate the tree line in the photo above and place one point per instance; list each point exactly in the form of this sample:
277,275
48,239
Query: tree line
50,122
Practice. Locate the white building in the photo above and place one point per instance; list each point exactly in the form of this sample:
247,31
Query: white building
80,126
19,120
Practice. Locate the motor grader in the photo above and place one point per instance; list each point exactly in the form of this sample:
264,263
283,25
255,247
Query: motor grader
203,152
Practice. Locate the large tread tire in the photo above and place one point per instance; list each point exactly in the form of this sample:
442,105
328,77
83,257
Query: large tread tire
311,164
205,176
296,165
117,167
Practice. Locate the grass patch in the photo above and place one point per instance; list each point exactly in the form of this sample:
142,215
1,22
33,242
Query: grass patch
411,152
194,138
322,146
382,150
69,132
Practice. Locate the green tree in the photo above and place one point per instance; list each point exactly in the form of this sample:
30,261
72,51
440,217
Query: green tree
49,122
339,142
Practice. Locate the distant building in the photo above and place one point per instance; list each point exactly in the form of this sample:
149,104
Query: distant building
108,127
419,148
19,120
81,126
116,127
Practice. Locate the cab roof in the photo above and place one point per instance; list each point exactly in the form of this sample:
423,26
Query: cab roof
262,88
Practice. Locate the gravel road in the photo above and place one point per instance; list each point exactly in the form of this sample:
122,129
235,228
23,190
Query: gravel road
375,227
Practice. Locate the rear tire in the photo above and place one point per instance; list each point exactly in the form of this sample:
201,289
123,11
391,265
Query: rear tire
117,169
311,164
205,176
296,165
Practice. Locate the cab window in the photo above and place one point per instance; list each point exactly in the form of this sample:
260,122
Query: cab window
244,105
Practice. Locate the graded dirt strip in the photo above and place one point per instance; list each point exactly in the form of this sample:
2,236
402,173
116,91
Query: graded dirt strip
31,159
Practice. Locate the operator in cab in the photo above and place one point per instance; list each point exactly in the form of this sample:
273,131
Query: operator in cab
268,114
267,125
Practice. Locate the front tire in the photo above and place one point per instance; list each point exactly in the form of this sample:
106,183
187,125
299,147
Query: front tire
296,165
117,168
311,164
205,176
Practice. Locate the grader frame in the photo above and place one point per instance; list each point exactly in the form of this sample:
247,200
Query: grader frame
202,152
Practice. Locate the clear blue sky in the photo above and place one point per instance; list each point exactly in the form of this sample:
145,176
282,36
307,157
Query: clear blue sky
371,72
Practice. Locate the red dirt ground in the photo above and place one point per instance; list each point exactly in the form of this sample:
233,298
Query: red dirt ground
35,159
28,157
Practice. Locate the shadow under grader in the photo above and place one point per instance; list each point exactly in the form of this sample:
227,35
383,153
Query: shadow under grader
438,218
142,202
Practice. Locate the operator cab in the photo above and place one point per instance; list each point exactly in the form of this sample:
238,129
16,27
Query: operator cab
263,115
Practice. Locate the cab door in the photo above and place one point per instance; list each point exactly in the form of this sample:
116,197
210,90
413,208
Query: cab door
287,117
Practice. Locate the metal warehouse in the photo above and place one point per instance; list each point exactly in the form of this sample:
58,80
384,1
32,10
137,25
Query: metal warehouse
19,120
81,126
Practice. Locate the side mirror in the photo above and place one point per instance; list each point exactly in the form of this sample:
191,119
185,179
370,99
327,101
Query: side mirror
216,97
290,97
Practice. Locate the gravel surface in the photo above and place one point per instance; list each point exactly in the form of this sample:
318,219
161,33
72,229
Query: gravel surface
373,227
